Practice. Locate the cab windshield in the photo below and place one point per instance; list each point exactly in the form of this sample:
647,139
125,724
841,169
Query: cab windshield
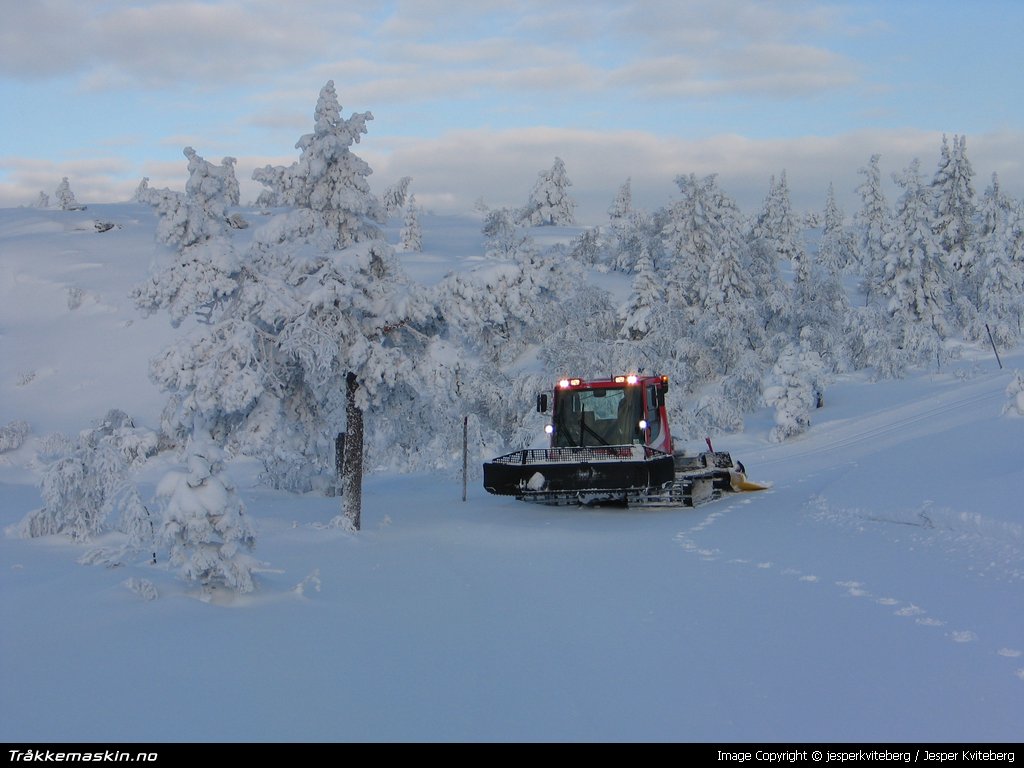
590,417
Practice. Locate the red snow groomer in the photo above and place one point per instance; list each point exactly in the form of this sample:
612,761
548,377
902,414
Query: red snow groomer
610,444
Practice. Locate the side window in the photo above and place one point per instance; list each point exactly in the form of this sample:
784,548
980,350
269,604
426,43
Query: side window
653,417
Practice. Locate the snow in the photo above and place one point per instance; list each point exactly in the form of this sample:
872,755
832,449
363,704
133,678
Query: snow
872,594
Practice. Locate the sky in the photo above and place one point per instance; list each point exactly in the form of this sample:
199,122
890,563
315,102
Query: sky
870,596
474,99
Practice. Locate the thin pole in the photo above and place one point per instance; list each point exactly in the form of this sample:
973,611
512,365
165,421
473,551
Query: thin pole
990,341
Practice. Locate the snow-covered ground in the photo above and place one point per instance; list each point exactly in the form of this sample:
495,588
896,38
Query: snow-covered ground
873,594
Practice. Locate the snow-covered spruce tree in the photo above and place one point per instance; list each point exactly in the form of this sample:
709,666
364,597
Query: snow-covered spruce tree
824,319
205,271
691,236
1001,292
205,528
355,333
66,198
328,179
621,224
820,310
232,192
730,322
622,207
711,316
315,293
411,234
641,313
873,230
954,220
223,371
734,293
778,224
227,370
916,275
836,249
732,329
955,207
550,202
635,233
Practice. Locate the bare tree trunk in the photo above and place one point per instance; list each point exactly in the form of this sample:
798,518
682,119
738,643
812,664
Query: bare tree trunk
352,486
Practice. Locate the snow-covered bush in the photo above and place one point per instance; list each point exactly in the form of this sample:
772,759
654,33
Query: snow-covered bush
144,588
88,480
795,392
504,238
12,436
204,524
1015,396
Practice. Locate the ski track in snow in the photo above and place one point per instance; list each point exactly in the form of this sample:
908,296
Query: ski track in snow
869,432
900,609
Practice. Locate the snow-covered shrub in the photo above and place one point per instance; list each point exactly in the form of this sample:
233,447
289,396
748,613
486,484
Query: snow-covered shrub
1015,396
504,238
77,492
87,480
795,392
12,436
75,296
237,221
136,444
204,523
144,588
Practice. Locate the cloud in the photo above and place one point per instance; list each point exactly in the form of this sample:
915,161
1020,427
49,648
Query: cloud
456,44
500,166
473,97
159,44
453,171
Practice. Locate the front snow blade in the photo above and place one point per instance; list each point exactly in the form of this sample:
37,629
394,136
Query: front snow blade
740,483
561,475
